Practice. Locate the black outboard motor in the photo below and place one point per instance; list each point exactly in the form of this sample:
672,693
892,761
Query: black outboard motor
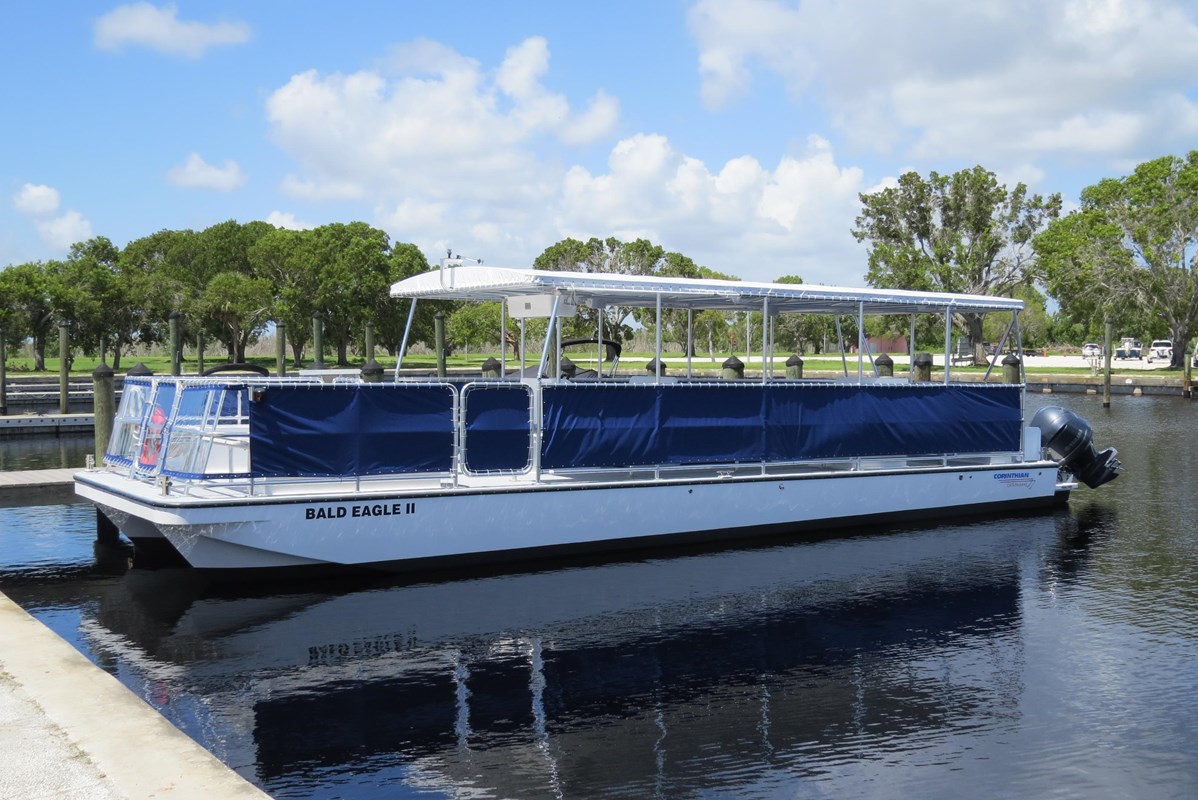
1070,442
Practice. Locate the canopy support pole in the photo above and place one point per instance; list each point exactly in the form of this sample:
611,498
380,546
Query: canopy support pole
657,368
690,339
911,352
599,345
502,339
861,341
765,335
844,360
403,345
549,334
948,342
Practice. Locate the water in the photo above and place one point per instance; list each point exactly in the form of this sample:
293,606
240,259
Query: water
45,452
1031,656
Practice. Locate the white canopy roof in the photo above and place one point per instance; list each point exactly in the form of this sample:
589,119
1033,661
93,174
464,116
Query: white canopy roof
607,289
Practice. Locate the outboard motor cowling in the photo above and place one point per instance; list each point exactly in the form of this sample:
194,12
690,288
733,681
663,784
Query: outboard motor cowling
1069,441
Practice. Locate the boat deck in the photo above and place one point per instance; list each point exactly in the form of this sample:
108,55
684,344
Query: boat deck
200,492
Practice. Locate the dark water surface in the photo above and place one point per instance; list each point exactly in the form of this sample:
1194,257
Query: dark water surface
45,452
1037,656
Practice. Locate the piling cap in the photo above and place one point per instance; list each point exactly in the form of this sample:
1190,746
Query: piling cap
1011,360
655,367
491,363
102,370
882,359
732,362
567,367
794,361
372,367
140,370
923,359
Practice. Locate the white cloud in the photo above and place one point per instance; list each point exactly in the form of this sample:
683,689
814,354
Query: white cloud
40,203
36,199
991,82
523,68
285,219
160,29
413,215
452,155
599,120
432,120
195,173
743,219
315,192
62,232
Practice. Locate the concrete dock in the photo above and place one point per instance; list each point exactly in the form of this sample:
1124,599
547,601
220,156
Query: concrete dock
68,729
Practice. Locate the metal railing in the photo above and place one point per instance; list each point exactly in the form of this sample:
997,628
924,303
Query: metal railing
195,432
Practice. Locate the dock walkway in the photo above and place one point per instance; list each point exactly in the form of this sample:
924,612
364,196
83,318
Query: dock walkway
69,729
35,487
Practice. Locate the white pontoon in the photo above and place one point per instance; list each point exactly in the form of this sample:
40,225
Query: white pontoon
243,473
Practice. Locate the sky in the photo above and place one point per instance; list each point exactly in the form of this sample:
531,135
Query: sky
740,133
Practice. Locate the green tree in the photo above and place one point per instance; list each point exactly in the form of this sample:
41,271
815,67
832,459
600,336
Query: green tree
31,300
391,316
98,297
284,258
961,233
610,255
161,278
239,306
1134,239
797,332
352,264
215,251
1034,323
673,265
474,323
14,325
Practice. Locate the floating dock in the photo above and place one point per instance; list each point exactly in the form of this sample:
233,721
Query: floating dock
36,487
69,729
42,424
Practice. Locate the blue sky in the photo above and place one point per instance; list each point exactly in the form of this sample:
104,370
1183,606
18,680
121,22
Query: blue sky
738,132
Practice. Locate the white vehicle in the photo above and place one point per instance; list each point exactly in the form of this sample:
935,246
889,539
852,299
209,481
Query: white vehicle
1129,348
244,473
1091,350
1160,350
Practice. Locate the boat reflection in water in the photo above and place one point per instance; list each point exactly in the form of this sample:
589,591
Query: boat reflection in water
743,671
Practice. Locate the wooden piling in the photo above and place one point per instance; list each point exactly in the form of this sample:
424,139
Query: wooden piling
64,368
439,335
104,404
372,371
1011,372
794,367
1106,369
175,343
318,340
923,368
3,376
280,349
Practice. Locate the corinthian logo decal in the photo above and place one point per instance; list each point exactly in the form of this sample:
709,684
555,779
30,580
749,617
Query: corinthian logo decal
1016,480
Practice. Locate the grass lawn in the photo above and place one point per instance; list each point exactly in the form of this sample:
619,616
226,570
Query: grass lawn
630,362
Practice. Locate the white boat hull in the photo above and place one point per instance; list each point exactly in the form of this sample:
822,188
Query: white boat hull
459,525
